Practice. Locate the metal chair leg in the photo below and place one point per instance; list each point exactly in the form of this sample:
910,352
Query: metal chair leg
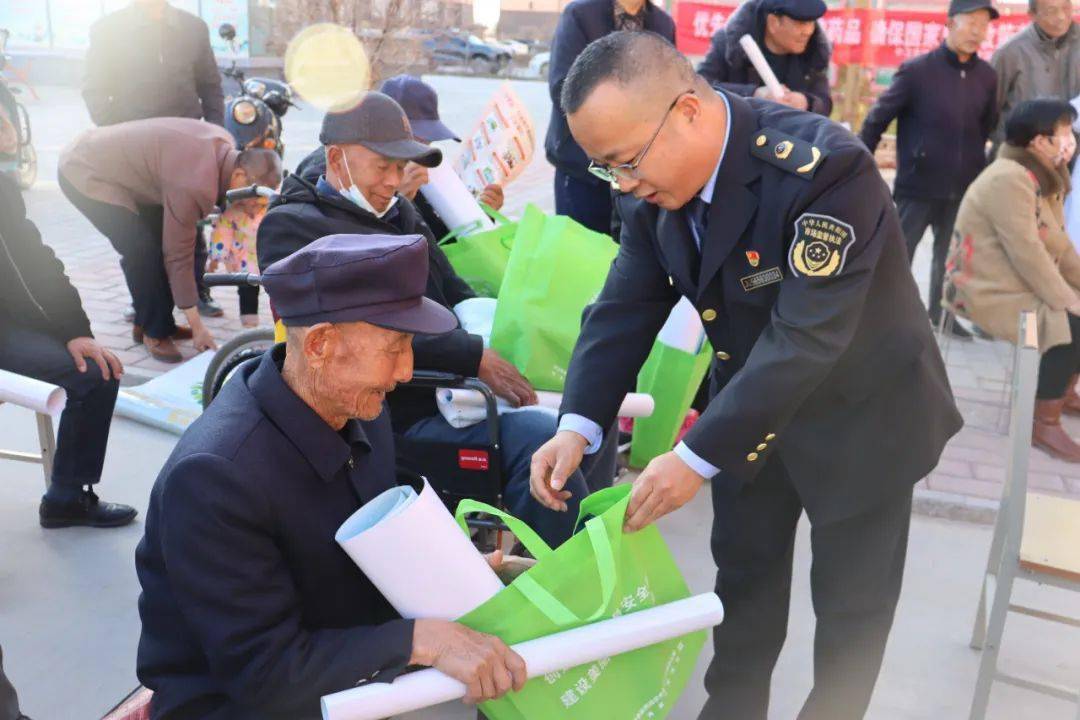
944,331
978,631
47,441
995,629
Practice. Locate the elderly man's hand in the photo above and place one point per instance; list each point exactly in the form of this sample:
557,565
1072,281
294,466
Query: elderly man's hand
83,348
508,567
796,100
665,485
505,380
414,177
484,663
492,196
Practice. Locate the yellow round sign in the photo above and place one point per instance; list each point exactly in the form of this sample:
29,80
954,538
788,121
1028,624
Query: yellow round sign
327,66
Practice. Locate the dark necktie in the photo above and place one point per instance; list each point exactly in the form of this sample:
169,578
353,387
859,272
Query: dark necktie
697,211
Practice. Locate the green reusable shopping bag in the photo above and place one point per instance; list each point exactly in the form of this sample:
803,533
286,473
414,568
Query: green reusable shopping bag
480,258
598,573
672,377
556,268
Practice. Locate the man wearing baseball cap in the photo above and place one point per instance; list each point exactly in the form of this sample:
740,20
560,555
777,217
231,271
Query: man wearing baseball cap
249,608
367,149
945,105
793,44
421,104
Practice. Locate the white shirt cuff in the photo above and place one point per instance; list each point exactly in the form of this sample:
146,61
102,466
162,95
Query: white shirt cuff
584,427
702,467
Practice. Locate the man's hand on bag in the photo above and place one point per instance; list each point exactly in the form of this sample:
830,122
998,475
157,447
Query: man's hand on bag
415,176
508,567
492,196
552,464
484,663
82,348
664,486
505,380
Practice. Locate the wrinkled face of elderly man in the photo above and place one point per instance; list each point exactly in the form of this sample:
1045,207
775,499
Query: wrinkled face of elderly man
345,370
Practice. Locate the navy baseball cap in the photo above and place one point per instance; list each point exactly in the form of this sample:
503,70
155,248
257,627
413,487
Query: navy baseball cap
960,7
378,123
377,279
796,9
421,105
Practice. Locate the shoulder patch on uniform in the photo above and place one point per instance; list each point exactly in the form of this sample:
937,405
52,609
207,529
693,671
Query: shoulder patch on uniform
789,153
820,246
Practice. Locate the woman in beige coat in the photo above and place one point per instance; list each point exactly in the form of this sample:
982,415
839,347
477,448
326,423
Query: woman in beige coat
1010,253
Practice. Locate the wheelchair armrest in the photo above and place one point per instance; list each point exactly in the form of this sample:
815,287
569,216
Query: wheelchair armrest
437,378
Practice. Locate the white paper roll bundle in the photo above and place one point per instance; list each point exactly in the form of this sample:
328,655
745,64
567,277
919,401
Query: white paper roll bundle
452,200
635,405
542,656
411,549
757,59
683,329
32,394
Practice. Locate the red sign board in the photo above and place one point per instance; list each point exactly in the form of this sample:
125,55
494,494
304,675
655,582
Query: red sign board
473,460
866,36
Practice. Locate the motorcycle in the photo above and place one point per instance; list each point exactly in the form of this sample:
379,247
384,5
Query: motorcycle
23,165
255,106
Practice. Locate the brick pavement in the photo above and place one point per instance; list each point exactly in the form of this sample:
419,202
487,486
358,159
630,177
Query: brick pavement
971,471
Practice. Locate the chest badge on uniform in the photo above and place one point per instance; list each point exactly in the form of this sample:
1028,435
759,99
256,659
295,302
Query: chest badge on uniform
820,246
783,149
758,280
753,258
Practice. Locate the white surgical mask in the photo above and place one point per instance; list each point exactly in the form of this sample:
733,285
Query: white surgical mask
1067,148
353,193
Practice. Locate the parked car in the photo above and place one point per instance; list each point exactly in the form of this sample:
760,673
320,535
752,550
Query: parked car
538,66
480,57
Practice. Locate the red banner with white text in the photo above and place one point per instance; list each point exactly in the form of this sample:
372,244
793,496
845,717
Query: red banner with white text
877,37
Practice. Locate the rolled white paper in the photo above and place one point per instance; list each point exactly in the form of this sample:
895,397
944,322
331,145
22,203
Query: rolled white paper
634,405
41,397
757,59
542,656
477,315
683,329
411,549
452,200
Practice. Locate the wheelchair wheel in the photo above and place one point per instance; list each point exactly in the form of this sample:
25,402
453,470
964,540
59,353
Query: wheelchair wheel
231,355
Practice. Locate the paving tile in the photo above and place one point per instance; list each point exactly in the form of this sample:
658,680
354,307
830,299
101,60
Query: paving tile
965,486
957,468
990,473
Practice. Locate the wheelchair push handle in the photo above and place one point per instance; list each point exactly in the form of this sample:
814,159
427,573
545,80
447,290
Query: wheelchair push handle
231,280
247,193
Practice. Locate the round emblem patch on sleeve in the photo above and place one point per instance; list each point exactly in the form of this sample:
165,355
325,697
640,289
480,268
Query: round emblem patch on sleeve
820,245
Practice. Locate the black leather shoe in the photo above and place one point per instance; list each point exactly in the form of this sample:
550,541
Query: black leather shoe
87,511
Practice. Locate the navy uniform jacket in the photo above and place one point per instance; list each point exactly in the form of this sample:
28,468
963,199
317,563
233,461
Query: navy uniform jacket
824,356
249,608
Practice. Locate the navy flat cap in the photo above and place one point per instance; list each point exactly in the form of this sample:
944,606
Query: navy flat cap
378,279
796,9
379,124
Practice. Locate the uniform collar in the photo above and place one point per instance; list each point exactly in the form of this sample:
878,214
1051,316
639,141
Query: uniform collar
325,449
706,193
953,59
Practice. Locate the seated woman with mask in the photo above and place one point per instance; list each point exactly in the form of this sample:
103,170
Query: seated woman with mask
1010,253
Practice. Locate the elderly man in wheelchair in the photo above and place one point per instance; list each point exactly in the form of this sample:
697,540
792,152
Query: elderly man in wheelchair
366,149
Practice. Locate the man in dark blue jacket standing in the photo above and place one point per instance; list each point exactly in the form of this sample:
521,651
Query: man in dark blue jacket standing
793,44
578,194
945,105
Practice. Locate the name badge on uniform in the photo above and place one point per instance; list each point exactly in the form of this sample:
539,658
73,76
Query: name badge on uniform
761,279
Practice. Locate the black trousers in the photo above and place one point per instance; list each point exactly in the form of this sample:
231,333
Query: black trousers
9,701
916,215
202,254
585,202
1058,364
137,237
855,580
84,425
